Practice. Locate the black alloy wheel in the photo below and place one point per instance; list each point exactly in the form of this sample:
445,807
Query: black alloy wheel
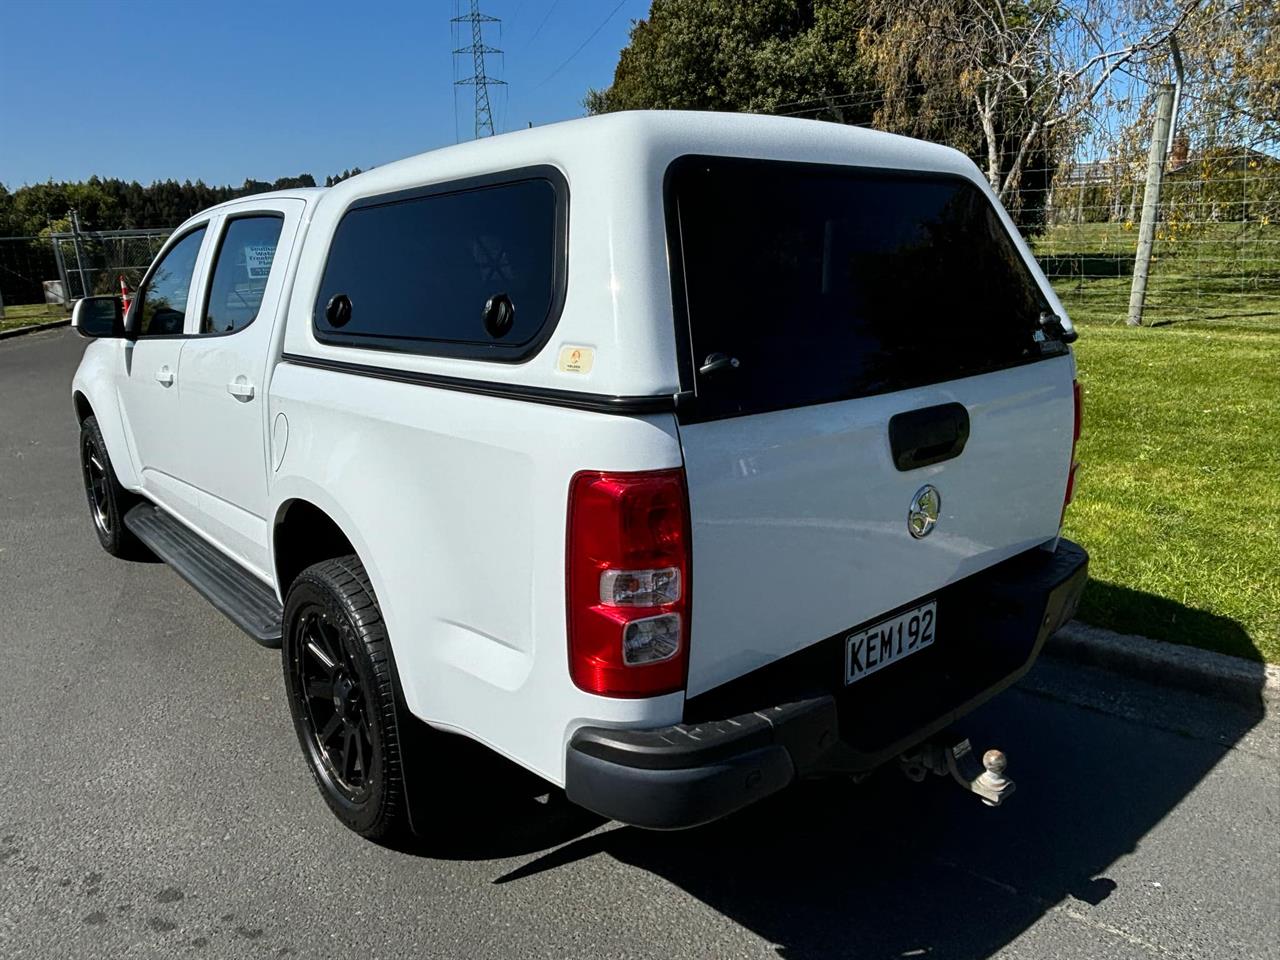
343,697
337,716
95,483
108,501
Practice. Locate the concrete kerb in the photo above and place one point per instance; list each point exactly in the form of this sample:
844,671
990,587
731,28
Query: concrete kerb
1156,661
34,328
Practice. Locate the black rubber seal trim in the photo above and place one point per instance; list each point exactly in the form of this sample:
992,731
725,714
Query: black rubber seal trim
595,402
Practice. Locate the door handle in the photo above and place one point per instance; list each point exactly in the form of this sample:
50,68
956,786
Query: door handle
240,388
164,377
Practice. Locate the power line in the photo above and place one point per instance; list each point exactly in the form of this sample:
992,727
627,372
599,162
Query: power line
831,99
582,45
541,23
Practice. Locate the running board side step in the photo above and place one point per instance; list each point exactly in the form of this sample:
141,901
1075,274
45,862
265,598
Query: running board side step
244,599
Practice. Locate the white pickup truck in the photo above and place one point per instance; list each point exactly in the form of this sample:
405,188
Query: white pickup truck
673,456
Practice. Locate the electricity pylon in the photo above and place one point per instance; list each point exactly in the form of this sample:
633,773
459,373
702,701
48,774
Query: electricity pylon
479,78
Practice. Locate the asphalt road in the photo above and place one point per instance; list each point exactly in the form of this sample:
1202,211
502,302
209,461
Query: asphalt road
154,803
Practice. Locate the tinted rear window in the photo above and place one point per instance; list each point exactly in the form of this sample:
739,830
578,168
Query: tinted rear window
241,269
827,284
419,271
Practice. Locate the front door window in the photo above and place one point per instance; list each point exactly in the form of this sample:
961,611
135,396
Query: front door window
163,307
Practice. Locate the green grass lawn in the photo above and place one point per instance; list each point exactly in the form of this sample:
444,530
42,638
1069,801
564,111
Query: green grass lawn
1180,458
24,316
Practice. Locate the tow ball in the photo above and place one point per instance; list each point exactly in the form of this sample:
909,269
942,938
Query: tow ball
986,780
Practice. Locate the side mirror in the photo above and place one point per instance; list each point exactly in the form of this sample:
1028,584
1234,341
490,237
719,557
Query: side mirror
95,317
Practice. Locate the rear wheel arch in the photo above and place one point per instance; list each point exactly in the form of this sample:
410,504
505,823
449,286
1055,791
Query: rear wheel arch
304,534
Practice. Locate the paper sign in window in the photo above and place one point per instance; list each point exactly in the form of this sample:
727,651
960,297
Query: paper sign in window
257,260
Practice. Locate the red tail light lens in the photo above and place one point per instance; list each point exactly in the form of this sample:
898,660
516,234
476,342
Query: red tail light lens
1078,396
627,575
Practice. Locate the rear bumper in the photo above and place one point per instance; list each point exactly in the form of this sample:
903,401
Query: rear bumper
753,736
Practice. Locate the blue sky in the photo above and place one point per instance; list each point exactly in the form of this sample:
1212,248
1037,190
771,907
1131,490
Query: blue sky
225,90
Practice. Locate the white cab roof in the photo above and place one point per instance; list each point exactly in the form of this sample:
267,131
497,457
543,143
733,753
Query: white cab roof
657,133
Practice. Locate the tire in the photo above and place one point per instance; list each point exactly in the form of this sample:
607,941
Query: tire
108,501
343,695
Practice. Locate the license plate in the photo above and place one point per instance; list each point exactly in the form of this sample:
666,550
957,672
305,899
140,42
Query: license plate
889,641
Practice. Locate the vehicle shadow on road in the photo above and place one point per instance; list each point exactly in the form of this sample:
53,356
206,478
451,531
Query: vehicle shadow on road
501,810
888,868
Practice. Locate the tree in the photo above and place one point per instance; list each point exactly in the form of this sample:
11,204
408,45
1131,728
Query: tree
742,55
35,208
329,181
293,183
118,204
1231,55
7,222
1025,70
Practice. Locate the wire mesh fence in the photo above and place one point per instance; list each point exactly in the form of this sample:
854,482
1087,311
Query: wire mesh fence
1216,254
26,265
45,275
94,262
1216,249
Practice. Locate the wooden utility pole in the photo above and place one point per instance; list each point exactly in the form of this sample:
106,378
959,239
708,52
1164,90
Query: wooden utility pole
1151,202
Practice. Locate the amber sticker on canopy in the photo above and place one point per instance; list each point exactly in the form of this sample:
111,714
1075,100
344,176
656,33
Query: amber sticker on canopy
576,359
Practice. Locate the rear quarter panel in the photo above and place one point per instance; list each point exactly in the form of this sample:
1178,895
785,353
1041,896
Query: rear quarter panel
456,503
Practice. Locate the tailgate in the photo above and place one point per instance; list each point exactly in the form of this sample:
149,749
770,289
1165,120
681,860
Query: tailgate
800,516
840,299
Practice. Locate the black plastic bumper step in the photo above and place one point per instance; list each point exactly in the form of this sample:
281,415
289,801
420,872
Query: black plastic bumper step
248,602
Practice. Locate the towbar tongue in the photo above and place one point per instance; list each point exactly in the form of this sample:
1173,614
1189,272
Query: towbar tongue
985,778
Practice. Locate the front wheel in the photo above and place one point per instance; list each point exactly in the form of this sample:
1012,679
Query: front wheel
341,684
108,501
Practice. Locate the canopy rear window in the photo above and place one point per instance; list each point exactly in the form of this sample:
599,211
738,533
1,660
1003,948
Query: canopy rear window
829,283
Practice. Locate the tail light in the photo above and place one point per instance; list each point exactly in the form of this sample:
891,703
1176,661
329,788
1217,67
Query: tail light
1078,396
627,576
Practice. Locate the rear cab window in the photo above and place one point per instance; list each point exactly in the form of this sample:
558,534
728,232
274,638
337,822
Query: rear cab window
241,268
419,271
831,283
